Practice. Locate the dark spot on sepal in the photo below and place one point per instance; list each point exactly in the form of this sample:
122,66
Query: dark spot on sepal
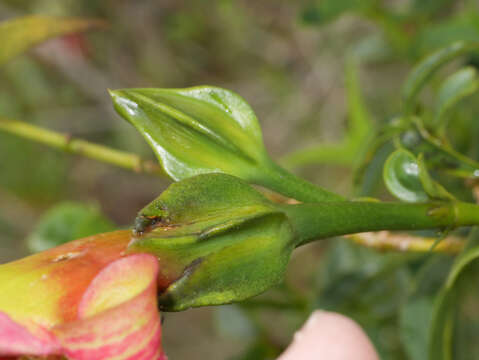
144,223
168,299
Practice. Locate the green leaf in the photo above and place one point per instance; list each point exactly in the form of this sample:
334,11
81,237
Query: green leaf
18,35
441,334
225,241
208,129
456,87
195,130
424,70
401,176
65,222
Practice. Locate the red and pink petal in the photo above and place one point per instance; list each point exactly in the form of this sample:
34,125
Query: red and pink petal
84,300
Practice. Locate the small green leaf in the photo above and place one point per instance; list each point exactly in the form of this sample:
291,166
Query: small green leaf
66,222
20,34
442,327
456,87
424,70
401,176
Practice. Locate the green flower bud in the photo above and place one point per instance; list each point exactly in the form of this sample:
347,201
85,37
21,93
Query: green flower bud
208,129
224,239
195,130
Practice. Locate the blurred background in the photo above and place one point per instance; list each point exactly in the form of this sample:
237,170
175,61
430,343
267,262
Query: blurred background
289,60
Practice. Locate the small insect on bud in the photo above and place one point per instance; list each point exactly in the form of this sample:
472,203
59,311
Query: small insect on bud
144,223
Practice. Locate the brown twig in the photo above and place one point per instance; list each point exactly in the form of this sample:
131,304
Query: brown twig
387,241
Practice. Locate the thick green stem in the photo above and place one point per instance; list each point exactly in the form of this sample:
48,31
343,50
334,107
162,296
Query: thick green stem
81,147
280,180
321,220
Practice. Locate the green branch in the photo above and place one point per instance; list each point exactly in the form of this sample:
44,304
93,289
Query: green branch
322,220
276,178
72,145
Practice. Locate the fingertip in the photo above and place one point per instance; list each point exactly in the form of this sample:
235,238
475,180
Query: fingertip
330,336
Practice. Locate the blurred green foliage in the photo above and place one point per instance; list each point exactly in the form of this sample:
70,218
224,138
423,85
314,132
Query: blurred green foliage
65,222
316,72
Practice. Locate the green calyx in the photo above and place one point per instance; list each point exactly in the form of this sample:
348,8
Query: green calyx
222,239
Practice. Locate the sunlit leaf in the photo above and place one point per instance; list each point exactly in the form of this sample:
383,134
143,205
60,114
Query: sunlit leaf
18,35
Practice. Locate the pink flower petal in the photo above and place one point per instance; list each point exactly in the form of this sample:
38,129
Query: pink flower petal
115,323
84,300
17,339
